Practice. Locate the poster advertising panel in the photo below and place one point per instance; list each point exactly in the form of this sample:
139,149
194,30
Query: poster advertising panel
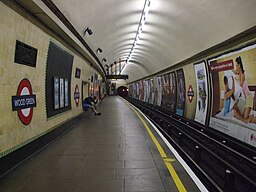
61,92
138,90
134,90
152,93
202,93
141,90
66,93
233,78
56,93
173,92
166,90
181,92
159,90
145,99
169,91
146,91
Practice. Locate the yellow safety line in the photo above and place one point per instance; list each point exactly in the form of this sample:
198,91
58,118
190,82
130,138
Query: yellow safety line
169,166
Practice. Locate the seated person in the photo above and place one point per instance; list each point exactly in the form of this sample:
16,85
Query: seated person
91,103
229,94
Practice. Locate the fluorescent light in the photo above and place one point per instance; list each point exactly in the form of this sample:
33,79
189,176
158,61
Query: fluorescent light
142,22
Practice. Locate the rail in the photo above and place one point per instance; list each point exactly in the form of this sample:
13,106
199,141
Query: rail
221,163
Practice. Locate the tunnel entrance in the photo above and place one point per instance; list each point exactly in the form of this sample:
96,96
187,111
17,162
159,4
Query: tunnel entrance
122,91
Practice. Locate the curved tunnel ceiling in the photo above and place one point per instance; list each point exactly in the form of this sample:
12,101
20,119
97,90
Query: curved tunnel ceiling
174,30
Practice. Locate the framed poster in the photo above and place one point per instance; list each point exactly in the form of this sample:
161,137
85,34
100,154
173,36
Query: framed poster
56,93
66,93
141,90
145,99
202,93
78,73
61,92
233,94
166,90
181,92
134,90
173,91
152,93
59,65
159,88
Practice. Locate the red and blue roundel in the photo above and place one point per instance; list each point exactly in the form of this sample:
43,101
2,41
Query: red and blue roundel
76,95
24,101
190,93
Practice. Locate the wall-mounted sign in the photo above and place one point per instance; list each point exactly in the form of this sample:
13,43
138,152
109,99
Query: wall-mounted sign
181,92
58,77
25,54
66,93
56,93
117,76
76,95
221,66
62,93
78,73
190,93
61,96
24,101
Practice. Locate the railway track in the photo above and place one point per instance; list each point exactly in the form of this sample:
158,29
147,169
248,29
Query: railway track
222,163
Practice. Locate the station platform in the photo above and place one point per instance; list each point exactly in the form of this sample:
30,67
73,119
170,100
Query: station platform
116,151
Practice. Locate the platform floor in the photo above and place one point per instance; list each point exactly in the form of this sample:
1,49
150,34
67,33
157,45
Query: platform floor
112,152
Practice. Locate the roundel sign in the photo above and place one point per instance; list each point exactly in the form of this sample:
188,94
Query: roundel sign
190,93
24,101
76,95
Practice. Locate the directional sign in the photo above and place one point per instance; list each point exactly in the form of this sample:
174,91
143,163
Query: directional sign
117,76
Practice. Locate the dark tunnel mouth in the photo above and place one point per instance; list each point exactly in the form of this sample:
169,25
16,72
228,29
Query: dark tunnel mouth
122,91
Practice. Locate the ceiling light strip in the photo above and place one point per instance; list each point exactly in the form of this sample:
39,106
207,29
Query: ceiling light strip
142,22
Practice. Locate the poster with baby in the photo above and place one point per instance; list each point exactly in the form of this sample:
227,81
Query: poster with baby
233,83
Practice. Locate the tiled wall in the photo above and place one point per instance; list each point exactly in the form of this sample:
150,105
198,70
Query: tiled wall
13,133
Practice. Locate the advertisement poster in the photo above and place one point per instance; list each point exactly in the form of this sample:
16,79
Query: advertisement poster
141,90
233,78
137,90
181,92
169,91
166,90
202,93
145,99
61,92
146,89
56,93
159,90
66,92
152,93
172,94
134,91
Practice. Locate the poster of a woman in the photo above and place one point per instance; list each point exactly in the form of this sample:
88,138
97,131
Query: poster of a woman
233,74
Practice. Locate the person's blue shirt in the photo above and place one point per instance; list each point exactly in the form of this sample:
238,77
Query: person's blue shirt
227,103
